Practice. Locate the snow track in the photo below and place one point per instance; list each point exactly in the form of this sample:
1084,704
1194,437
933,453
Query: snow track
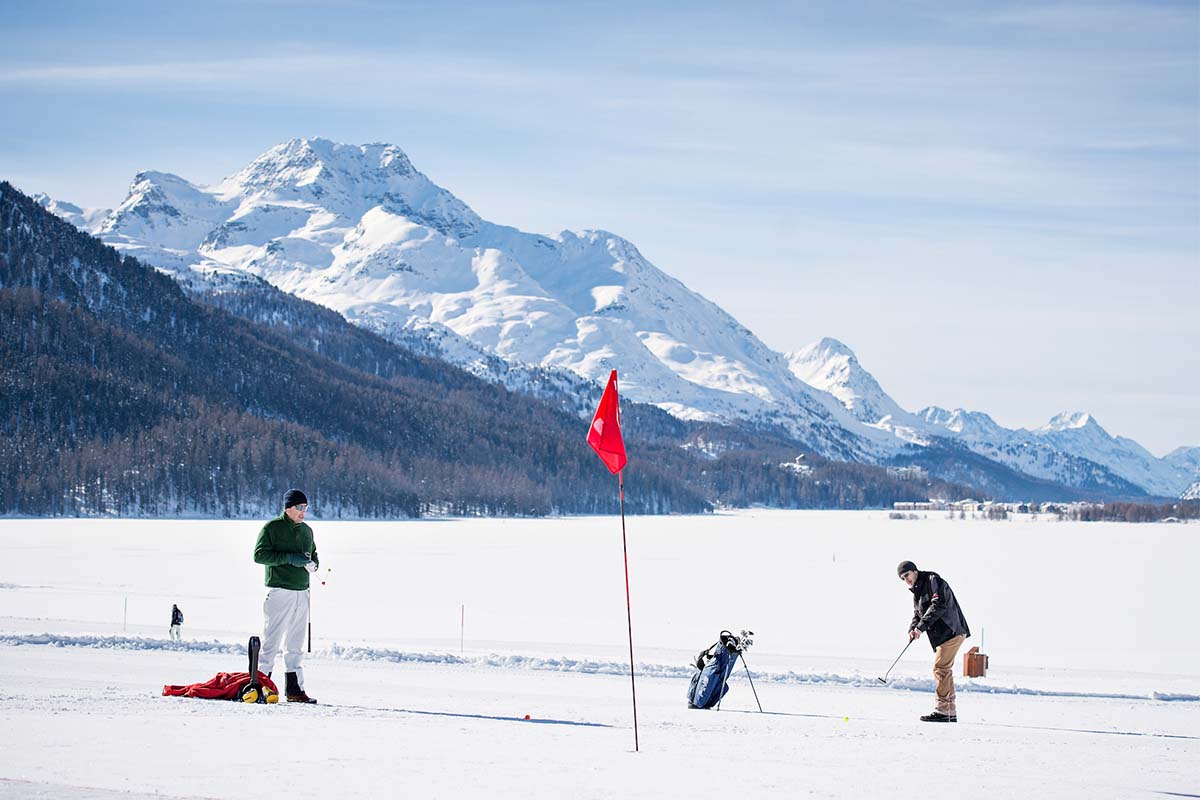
586,666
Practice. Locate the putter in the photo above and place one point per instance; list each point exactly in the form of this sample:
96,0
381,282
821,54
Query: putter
883,680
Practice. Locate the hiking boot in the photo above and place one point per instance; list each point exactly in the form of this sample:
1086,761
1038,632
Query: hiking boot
293,691
938,716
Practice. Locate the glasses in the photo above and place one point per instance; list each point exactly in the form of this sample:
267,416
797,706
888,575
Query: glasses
301,507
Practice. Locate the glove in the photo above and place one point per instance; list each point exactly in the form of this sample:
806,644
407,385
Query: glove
311,566
298,559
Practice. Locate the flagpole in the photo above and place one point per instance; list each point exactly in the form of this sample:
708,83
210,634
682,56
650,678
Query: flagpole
604,436
628,608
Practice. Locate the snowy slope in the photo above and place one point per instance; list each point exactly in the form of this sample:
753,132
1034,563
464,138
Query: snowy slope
360,230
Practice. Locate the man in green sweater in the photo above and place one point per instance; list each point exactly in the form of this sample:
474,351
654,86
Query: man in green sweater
286,548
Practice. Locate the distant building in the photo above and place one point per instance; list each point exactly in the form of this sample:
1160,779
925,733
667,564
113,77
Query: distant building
798,466
921,505
910,473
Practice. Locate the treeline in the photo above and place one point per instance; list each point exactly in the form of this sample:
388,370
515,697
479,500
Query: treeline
1132,512
759,475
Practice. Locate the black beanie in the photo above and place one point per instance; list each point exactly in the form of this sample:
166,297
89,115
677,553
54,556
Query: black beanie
294,497
906,566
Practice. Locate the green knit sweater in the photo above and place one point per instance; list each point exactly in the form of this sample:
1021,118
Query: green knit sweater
284,547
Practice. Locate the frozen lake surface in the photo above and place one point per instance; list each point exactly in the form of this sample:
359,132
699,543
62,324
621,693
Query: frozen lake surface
1094,689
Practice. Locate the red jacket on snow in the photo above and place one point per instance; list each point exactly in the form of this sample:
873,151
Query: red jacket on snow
224,686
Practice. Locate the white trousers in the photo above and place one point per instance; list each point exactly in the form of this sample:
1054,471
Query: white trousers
174,632
285,615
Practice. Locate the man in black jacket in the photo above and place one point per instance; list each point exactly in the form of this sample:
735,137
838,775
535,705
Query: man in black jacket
936,612
176,622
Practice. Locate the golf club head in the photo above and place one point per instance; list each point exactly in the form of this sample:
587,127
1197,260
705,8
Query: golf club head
882,680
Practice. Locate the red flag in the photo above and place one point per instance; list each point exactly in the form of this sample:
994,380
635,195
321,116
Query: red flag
605,433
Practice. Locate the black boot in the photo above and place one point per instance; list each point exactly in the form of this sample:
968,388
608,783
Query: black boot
938,716
294,693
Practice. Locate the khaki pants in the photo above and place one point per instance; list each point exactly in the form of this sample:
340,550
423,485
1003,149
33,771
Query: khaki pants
943,670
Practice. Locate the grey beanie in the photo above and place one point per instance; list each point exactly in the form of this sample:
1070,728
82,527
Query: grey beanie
906,566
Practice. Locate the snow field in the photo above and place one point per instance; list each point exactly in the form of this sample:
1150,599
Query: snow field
1086,609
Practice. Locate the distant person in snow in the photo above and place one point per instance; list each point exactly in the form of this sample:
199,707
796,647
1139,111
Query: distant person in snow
286,548
936,612
176,622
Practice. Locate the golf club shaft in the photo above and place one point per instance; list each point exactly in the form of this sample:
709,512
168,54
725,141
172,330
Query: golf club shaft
897,661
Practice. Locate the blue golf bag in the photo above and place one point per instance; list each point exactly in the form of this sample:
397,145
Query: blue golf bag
714,666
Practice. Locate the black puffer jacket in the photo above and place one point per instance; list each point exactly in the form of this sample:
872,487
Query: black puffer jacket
936,610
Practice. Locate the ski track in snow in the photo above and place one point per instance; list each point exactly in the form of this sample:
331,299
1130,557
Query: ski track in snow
586,666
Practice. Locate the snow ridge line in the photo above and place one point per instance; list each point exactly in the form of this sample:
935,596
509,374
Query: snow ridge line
586,666
122,643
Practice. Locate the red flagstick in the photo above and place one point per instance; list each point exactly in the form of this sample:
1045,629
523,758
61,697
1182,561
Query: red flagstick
604,436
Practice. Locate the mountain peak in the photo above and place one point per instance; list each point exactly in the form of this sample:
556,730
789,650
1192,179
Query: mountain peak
154,177
1070,420
832,346
86,219
59,207
831,366
308,162
349,180
964,423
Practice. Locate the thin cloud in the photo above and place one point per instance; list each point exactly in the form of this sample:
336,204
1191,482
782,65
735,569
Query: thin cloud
260,72
1143,19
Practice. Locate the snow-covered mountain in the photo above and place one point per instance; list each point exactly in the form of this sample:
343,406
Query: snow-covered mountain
1185,458
86,219
362,231
359,229
1071,448
1080,434
1186,461
832,367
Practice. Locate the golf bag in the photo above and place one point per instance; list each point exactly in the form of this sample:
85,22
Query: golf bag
714,666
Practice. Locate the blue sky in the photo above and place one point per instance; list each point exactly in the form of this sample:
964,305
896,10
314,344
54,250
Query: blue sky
996,205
